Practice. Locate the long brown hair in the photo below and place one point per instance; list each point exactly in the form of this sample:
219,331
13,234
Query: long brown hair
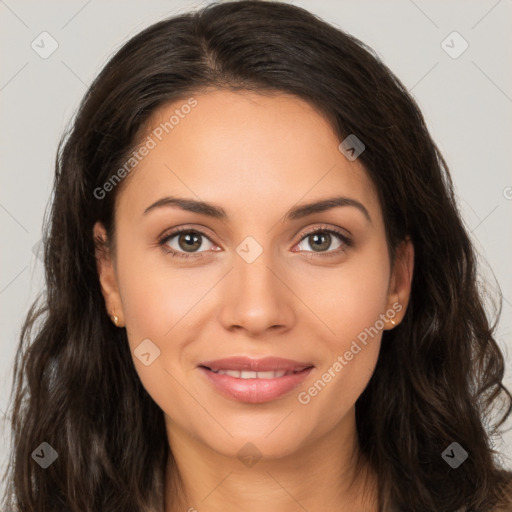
439,373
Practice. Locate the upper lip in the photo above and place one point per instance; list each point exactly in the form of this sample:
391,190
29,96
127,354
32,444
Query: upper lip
256,365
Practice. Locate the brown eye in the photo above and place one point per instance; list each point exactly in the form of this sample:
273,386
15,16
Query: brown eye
183,241
321,240
189,241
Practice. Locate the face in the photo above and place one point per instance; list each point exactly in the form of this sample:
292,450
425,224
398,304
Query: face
253,275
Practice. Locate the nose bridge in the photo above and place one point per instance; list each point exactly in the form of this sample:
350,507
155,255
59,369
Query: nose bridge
256,298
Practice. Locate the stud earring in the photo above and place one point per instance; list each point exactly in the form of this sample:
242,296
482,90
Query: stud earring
392,322
115,320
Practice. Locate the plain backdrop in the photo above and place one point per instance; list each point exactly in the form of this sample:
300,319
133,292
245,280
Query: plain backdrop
465,95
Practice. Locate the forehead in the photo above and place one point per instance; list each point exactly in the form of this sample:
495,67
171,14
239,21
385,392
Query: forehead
243,150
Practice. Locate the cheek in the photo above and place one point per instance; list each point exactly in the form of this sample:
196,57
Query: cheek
163,304
350,303
350,298
155,295
155,310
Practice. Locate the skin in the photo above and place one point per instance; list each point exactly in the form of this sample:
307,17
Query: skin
256,156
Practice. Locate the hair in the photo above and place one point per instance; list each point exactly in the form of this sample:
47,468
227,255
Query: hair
439,373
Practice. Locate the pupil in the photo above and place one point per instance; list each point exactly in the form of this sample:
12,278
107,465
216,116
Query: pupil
317,236
190,239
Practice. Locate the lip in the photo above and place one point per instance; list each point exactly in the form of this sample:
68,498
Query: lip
256,365
255,390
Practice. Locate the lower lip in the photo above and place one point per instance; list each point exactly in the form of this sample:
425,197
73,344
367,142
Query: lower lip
255,391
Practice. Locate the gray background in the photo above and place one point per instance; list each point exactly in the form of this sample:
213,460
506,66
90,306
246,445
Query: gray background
467,103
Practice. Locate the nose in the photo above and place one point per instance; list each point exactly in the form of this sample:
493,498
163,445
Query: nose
256,298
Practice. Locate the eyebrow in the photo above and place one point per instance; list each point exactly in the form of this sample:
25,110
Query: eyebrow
216,212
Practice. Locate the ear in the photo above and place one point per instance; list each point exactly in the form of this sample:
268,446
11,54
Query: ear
107,274
401,280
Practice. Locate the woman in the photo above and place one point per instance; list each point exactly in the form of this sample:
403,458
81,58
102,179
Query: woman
260,295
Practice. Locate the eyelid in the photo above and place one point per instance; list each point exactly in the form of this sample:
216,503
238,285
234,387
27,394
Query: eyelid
328,229
167,235
343,235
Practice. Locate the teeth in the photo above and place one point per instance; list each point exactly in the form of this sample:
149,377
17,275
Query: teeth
244,374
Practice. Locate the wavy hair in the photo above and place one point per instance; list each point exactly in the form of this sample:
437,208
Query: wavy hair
439,374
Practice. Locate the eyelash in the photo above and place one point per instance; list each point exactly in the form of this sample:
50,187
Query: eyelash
162,241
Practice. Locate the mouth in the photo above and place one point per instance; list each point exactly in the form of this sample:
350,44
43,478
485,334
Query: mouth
255,380
246,374
262,365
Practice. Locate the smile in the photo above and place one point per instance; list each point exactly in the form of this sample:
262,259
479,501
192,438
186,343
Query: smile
244,374
254,387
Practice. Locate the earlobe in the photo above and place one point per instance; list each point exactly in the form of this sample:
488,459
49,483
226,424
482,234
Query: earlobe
107,275
401,280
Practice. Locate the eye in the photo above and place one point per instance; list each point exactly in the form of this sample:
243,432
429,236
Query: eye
187,242
321,238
